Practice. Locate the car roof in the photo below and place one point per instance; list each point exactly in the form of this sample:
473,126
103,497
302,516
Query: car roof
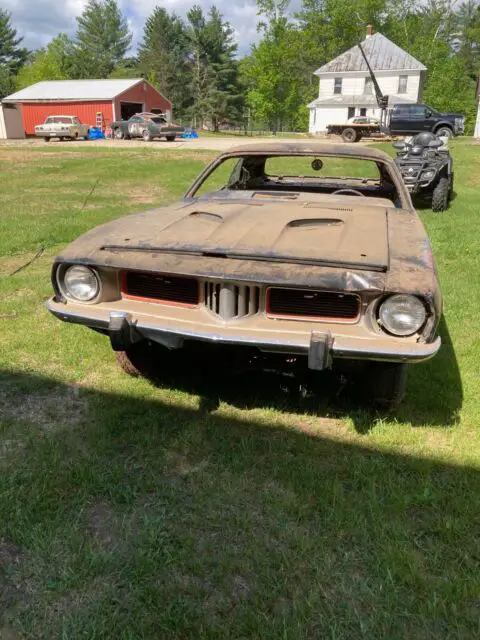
310,148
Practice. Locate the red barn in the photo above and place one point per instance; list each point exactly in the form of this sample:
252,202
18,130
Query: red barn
113,99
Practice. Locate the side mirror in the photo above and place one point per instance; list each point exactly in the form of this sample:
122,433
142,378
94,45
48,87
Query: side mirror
399,145
428,113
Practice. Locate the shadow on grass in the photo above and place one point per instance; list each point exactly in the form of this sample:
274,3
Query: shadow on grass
121,516
434,394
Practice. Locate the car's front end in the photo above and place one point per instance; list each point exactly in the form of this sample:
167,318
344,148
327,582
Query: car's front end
354,308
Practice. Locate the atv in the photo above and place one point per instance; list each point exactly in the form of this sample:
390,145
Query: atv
427,168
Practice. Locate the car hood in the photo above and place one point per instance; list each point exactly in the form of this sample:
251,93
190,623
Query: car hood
306,233
452,115
341,245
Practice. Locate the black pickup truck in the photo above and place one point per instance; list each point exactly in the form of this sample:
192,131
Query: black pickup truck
416,118
404,119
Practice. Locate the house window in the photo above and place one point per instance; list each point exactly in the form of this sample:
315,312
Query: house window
351,112
402,84
337,86
368,89
363,112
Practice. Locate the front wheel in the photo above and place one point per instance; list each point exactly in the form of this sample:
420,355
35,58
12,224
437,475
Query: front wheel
139,360
383,383
118,134
441,195
170,138
46,139
146,135
445,132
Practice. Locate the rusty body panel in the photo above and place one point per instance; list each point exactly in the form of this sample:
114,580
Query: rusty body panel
331,259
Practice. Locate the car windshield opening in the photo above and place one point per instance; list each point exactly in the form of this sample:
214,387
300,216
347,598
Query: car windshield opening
274,176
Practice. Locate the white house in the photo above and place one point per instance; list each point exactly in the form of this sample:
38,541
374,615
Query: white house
346,88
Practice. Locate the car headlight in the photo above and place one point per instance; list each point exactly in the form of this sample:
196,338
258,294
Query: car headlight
402,315
80,283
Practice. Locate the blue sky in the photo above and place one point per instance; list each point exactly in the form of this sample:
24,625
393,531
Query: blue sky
39,20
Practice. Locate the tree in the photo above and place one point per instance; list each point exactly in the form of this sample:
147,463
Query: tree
215,71
163,57
12,55
102,39
55,62
276,87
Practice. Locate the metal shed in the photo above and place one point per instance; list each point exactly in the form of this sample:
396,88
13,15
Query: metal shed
91,100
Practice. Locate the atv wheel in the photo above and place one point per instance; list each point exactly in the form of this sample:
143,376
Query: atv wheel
441,195
146,135
446,132
118,134
139,360
383,383
349,135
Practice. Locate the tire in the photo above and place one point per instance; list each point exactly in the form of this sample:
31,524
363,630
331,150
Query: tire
170,138
444,131
146,135
349,135
118,134
383,383
46,139
139,360
441,195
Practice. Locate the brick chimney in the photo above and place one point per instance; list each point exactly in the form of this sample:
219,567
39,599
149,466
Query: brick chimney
369,30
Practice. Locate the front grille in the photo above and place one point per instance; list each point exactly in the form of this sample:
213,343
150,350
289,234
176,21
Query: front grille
160,288
302,303
229,301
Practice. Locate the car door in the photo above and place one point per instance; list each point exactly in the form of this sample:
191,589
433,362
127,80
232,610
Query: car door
134,127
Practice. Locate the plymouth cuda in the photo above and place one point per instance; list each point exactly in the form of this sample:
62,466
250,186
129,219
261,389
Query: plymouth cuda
304,252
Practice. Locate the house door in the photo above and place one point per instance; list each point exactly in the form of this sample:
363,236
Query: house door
351,112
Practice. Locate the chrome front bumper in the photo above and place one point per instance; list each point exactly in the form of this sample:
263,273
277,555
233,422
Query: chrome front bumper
321,347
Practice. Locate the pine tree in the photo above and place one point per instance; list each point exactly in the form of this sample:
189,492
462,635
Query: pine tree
102,39
12,55
163,57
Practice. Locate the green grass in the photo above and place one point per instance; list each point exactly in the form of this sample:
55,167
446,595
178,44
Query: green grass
238,508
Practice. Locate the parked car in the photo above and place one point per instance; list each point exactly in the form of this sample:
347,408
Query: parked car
285,260
147,126
364,120
62,127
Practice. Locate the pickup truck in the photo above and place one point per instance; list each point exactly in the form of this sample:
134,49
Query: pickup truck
62,127
404,119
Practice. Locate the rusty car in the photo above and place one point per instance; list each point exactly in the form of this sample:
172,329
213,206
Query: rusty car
147,126
301,251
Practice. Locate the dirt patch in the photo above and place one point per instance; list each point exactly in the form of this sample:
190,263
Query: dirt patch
102,524
11,588
48,411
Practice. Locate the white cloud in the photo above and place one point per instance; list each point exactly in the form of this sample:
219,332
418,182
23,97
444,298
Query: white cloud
40,20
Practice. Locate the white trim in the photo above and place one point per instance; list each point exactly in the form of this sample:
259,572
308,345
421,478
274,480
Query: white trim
334,74
114,113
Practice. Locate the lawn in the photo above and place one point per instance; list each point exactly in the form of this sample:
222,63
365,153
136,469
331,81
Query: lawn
238,508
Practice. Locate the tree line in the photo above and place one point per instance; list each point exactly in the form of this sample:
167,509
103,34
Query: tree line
194,60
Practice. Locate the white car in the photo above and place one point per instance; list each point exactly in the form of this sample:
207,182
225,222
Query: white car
62,127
